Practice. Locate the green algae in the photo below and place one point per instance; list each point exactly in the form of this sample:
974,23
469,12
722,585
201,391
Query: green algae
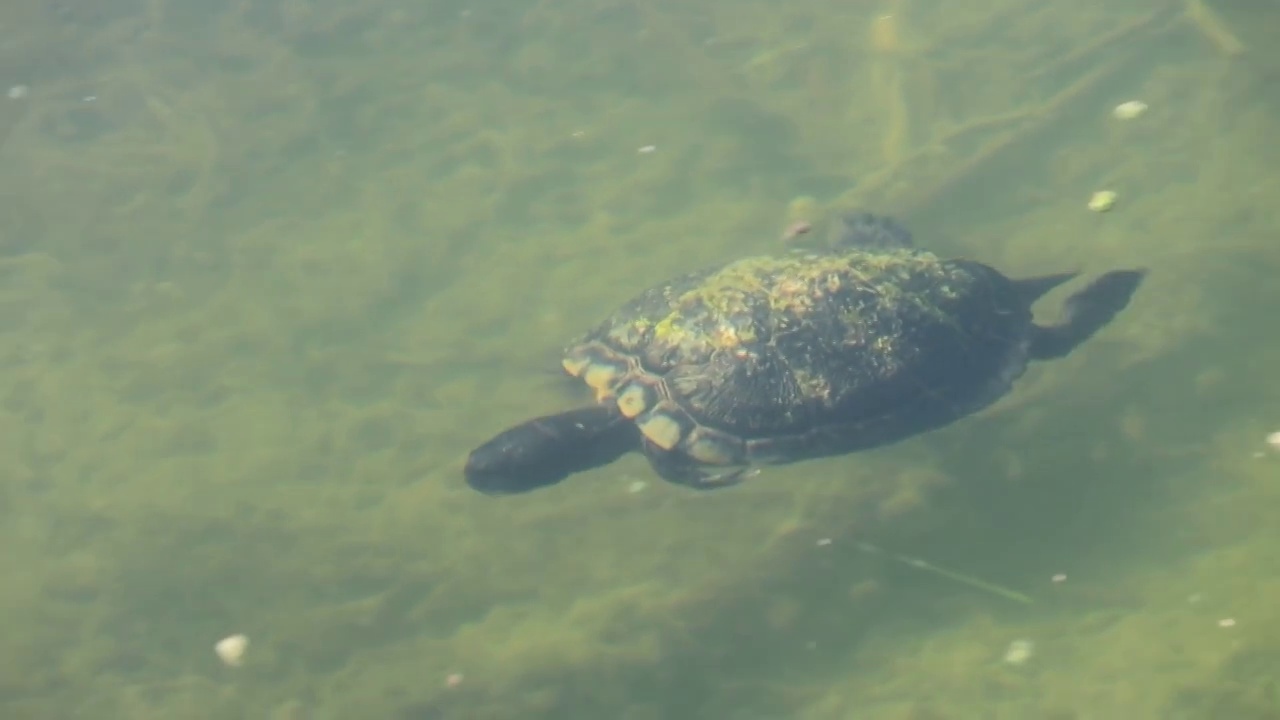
262,290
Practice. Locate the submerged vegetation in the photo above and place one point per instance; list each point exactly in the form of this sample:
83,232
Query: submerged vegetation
270,266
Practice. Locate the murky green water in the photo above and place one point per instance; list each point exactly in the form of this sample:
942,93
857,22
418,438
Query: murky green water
268,269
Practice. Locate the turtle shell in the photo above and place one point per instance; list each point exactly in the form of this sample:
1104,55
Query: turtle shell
781,358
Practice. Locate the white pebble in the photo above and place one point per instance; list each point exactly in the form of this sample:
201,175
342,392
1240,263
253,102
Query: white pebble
1129,110
645,150
1019,651
17,92
637,486
1060,577
1102,201
230,650
1274,440
1227,623
823,542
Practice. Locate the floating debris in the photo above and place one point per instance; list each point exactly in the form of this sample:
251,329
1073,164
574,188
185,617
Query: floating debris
637,486
646,149
1227,623
1102,201
231,649
1059,578
1129,110
1274,440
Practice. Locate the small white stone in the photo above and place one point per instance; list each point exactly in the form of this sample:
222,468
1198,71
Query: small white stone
231,649
637,486
1129,110
646,149
1019,652
1274,440
1102,201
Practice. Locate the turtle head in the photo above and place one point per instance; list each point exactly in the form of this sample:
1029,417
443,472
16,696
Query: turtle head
546,450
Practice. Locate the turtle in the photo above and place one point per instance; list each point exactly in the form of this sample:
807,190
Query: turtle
781,358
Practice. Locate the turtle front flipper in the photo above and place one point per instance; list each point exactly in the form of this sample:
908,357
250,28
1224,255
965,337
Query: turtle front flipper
1086,313
677,467
546,450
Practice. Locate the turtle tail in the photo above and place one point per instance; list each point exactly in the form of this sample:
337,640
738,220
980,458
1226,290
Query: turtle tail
546,450
1086,313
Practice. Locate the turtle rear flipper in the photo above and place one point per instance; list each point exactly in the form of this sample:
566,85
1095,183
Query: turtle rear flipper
1086,312
546,450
